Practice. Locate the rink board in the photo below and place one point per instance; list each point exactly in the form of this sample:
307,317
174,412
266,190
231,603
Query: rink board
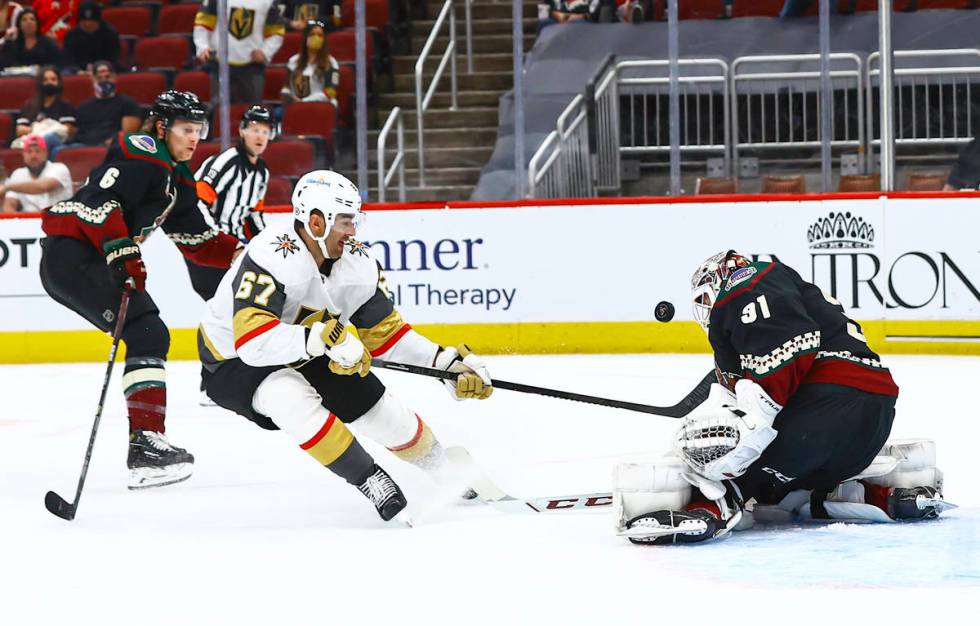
584,276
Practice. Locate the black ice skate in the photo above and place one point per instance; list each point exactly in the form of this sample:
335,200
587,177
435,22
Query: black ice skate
668,527
154,462
384,493
916,503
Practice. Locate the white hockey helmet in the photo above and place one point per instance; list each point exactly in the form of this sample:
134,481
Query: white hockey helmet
329,193
707,281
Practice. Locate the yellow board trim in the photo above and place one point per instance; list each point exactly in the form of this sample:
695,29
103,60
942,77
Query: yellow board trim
888,337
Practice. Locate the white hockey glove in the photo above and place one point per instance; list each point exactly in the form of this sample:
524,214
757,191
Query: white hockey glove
346,352
721,443
473,380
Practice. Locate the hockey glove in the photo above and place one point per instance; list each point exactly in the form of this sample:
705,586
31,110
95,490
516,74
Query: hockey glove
346,352
473,380
721,443
125,263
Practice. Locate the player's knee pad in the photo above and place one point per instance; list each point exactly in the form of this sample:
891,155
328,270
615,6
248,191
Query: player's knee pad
906,463
640,488
147,336
393,425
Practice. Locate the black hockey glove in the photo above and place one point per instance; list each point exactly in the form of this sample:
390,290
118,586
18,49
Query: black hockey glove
125,263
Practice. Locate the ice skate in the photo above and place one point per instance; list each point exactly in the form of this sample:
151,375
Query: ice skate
384,493
154,462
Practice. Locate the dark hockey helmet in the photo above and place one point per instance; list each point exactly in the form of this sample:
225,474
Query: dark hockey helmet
173,105
708,279
260,115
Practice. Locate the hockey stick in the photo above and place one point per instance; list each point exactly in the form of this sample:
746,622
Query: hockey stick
489,493
52,501
695,397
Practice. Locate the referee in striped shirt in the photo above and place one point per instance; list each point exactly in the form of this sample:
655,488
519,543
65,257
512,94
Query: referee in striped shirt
231,189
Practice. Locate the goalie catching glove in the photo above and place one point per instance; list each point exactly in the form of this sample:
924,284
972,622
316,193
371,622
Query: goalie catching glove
722,437
346,352
473,378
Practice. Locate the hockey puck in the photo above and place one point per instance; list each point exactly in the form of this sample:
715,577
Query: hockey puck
664,311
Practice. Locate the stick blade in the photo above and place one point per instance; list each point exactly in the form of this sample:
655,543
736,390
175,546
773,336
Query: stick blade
57,506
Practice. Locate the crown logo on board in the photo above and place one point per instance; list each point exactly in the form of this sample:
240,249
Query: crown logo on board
840,230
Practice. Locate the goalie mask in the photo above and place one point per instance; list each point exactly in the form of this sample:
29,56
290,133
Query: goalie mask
329,193
708,279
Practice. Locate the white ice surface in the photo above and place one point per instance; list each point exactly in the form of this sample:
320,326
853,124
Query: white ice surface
261,534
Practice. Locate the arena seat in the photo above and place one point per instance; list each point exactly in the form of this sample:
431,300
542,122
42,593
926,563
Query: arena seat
275,78
81,161
177,19
11,158
203,151
714,186
345,96
6,129
925,181
375,13
143,87
129,21
860,182
289,157
77,89
784,184
15,91
196,82
754,8
341,46
291,43
162,52
310,119
279,192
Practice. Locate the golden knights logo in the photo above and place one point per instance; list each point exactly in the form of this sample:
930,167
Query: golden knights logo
286,245
356,247
241,22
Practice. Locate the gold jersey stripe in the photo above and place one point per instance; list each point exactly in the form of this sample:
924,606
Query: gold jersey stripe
210,346
206,20
250,319
379,334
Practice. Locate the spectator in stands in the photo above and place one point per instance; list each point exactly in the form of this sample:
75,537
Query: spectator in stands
92,40
314,75
966,171
101,117
56,17
796,8
299,12
256,30
29,48
9,11
37,185
567,11
46,114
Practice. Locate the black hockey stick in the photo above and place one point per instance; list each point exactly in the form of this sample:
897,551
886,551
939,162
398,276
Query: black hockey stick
52,501
695,397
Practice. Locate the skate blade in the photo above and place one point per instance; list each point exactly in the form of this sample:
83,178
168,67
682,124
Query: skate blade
149,477
923,503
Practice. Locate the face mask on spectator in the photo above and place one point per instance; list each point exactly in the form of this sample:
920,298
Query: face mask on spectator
51,90
105,89
314,42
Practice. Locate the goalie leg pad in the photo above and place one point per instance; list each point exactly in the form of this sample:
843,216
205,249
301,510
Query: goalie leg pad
915,467
639,488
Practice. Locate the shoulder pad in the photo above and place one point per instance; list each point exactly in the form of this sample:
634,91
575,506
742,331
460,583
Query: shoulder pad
281,252
743,279
140,146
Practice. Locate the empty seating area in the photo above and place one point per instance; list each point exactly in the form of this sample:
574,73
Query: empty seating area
158,53
719,9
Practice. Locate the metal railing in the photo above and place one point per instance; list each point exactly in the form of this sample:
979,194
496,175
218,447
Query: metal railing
562,165
422,99
933,101
779,107
605,122
398,163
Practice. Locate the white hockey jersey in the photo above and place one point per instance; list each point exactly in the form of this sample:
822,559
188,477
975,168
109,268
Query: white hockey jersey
252,25
274,292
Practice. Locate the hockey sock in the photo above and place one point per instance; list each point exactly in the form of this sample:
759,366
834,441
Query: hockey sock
335,447
145,388
422,449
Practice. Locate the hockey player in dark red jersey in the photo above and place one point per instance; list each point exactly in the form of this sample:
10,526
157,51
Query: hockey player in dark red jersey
804,407
92,253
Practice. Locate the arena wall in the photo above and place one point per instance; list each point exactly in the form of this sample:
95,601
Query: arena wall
576,276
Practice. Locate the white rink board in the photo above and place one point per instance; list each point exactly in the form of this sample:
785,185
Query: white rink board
916,259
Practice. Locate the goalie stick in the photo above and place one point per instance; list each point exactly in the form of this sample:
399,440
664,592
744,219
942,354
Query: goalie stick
52,501
695,397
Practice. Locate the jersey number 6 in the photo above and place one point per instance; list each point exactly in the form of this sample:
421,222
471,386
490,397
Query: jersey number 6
247,287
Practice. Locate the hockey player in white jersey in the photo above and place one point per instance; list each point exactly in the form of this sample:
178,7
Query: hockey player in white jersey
278,344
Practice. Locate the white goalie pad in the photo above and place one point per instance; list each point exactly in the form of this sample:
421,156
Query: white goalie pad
656,485
913,464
